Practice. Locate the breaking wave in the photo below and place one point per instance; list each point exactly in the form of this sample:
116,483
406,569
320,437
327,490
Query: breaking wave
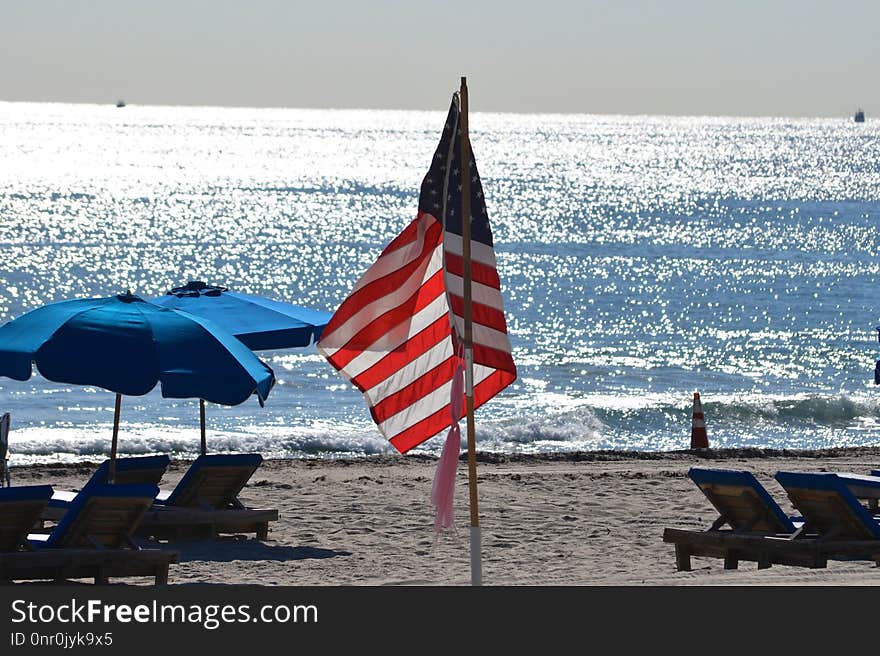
819,409
640,423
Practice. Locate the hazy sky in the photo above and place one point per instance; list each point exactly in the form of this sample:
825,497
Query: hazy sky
738,57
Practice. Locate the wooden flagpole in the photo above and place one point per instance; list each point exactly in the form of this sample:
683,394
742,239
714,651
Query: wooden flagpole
476,552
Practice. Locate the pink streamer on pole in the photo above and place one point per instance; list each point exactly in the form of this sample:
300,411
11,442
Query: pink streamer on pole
443,491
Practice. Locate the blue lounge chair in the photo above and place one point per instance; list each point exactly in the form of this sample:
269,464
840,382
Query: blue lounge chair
101,516
20,509
213,482
746,507
139,470
864,488
205,502
742,502
829,507
143,470
835,527
93,539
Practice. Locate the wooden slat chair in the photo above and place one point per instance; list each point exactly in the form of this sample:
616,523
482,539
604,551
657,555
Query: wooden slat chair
744,506
139,470
741,501
830,509
864,488
836,526
20,509
213,482
135,470
94,539
205,502
101,516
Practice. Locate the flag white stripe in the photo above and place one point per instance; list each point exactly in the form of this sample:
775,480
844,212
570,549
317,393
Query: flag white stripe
481,373
479,251
485,336
480,293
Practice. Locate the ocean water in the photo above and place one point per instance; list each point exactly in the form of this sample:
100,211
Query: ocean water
642,258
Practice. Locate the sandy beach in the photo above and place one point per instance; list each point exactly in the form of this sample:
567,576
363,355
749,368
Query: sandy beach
593,518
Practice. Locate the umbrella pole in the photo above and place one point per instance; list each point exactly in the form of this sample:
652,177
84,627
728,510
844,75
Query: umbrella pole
111,474
202,421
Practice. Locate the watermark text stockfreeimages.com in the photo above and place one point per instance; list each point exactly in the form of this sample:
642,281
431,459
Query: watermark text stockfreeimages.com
208,616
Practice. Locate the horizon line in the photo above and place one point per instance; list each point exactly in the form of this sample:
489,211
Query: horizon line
113,104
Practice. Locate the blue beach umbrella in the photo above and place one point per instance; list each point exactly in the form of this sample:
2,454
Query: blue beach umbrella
260,323
127,346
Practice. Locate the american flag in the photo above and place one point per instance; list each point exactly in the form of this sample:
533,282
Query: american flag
397,336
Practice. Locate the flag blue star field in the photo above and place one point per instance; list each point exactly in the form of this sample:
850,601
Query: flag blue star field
397,336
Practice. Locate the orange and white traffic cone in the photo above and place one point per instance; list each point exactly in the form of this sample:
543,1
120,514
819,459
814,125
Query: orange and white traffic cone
699,439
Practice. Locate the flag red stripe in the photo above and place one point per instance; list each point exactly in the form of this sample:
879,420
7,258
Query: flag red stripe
398,253
490,357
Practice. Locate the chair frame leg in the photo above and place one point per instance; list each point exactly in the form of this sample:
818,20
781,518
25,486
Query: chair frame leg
731,561
682,558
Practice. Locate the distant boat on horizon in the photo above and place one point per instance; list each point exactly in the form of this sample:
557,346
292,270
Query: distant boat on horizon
860,116
120,103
